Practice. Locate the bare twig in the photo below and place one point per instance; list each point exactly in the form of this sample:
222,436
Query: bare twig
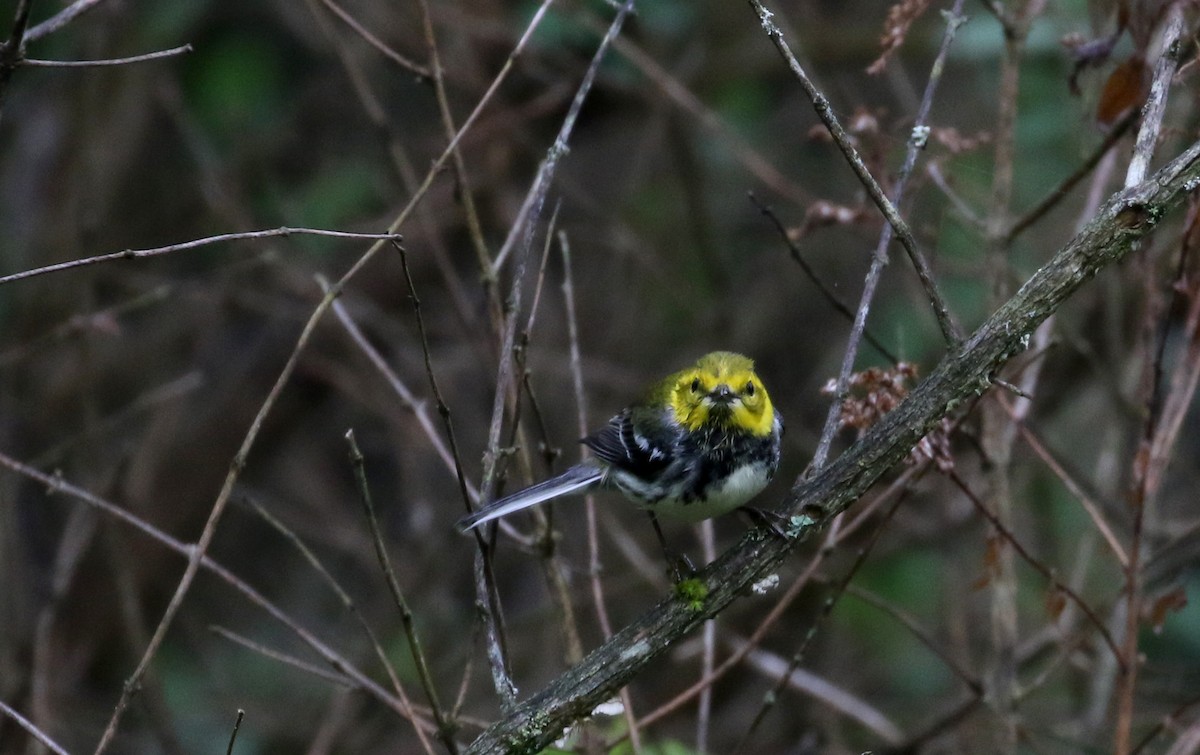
830,296
949,331
1156,102
98,320
34,731
444,730
1055,195
874,190
1038,566
130,254
237,724
916,630
174,51
56,484
1167,722
821,690
1170,34
419,724
772,697
521,237
466,196
61,19
197,553
753,160
593,530
13,50
997,431
418,408
1072,486
374,41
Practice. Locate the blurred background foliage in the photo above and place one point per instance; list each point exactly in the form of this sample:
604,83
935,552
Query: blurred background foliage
138,379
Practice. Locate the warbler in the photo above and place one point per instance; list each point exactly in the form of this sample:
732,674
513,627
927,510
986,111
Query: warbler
701,442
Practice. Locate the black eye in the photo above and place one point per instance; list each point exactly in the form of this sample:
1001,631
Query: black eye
750,389
695,385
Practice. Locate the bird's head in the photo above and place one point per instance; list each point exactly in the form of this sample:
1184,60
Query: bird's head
722,389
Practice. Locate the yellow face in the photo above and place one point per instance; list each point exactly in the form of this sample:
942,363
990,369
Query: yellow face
722,388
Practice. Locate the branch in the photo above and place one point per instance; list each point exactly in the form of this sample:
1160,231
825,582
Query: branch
132,254
34,62
825,112
1126,218
61,19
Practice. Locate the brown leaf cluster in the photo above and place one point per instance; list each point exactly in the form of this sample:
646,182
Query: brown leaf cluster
878,390
900,18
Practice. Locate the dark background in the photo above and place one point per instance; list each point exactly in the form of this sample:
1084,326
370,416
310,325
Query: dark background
137,380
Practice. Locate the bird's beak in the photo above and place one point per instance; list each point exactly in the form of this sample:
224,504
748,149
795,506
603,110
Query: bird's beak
722,395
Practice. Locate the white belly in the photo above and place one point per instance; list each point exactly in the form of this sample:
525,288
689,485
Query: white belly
735,491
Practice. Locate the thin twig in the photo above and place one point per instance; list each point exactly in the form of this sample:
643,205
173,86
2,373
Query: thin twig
910,623
823,692
485,580
12,50
753,160
418,408
1073,487
98,321
445,732
949,330
595,567
1165,723
221,238
772,697
997,433
374,41
1052,198
237,724
56,484
1156,101
521,237
554,569
419,724
934,171
34,731
1170,34
197,553
393,134
61,19
465,196
830,295
844,142
1038,566
525,223
37,63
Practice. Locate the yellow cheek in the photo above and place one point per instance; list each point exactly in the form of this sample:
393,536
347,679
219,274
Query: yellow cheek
690,414
758,421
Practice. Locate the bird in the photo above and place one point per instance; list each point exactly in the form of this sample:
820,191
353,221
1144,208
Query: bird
701,442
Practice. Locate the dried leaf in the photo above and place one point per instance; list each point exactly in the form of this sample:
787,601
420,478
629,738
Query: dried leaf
1171,602
1125,89
956,143
863,122
1056,601
823,213
900,17
991,555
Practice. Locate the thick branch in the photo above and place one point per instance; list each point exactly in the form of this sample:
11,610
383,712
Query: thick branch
963,374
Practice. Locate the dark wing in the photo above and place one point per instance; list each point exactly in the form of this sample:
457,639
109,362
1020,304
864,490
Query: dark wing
618,443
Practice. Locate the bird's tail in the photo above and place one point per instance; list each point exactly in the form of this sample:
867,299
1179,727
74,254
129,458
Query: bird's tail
578,478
